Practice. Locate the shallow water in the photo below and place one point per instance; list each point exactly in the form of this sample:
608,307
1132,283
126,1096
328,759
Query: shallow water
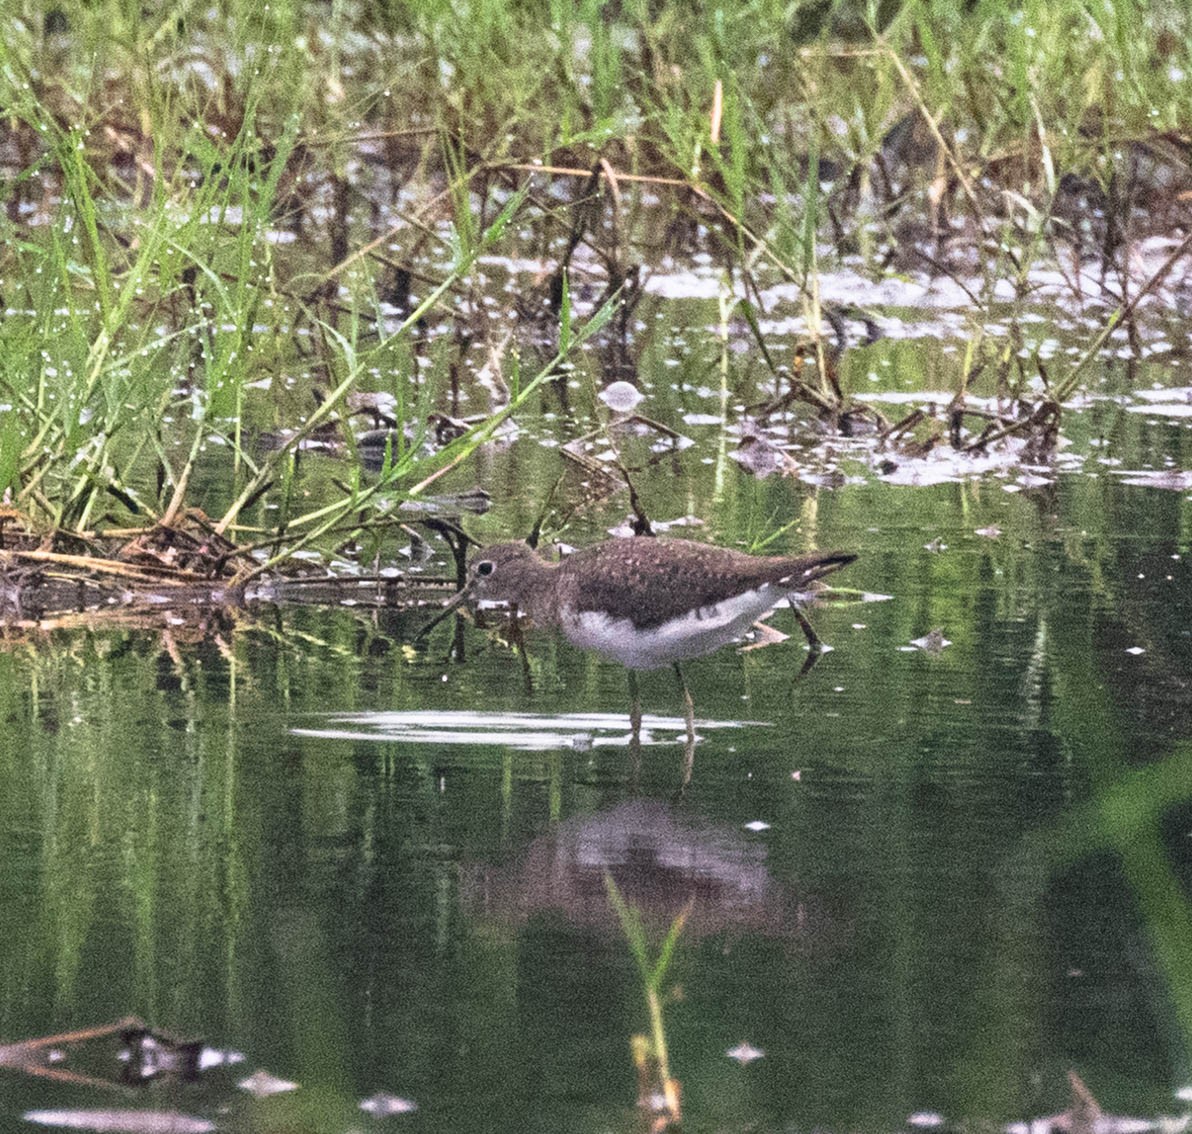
927,881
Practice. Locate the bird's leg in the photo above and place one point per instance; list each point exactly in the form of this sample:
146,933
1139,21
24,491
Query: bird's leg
635,708
688,766
457,640
688,706
635,731
814,644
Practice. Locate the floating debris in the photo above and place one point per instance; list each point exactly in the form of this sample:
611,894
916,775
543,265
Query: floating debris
763,634
1085,1116
1173,480
925,1119
149,1053
213,1057
1179,394
144,1053
920,475
991,532
757,826
383,1104
932,642
745,1053
122,1121
660,527
756,455
621,397
261,1084
1163,409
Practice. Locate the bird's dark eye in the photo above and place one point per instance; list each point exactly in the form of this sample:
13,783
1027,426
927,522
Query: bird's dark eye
485,568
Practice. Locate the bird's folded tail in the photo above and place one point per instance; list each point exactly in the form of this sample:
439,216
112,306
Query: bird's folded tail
817,566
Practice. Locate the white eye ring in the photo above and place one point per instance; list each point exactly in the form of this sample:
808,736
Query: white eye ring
485,568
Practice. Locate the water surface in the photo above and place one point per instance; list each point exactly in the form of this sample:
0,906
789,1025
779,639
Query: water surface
926,881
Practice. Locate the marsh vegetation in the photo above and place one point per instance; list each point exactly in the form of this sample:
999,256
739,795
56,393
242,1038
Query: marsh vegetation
240,232
301,298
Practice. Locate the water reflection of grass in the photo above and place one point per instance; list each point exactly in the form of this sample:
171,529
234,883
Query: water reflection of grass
1131,817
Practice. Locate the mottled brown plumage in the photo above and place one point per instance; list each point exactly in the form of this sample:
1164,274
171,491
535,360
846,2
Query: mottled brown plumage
646,602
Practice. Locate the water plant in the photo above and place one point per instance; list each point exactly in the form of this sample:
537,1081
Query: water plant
658,1090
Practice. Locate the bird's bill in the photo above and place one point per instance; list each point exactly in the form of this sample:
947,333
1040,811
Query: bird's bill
452,606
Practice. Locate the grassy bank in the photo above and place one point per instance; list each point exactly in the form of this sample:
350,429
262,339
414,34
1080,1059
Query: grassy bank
225,222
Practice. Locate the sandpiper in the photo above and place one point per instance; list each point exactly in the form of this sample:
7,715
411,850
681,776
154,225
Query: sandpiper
646,603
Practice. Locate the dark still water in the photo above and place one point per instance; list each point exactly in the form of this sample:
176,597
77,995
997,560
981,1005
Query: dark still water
927,882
